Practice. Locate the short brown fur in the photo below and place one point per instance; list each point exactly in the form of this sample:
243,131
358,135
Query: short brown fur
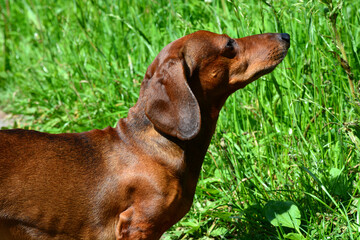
136,180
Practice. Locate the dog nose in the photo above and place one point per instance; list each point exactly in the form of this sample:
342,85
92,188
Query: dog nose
285,37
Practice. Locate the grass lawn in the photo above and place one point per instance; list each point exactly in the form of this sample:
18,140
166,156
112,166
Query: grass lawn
284,161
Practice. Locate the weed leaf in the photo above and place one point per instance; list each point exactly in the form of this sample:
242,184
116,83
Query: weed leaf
283,213
294,236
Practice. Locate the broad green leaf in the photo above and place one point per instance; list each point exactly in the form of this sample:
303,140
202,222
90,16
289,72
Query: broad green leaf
294,236
283,213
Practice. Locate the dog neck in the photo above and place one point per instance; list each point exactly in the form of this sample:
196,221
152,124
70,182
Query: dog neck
183,158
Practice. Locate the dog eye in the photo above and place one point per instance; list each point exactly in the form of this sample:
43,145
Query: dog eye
230,44
229,50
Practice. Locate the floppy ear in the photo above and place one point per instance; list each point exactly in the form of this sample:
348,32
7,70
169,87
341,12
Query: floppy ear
170,104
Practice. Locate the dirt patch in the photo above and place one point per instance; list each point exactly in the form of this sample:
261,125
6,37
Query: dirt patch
5,120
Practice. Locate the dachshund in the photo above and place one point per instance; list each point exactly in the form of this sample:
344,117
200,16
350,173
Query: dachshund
138,179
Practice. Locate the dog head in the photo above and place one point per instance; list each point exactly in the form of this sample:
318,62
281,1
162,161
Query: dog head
201,70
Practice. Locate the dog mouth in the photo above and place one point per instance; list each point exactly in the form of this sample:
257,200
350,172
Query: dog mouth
274,58
277,55
244,74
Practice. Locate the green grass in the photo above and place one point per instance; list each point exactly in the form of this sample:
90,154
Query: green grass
293,135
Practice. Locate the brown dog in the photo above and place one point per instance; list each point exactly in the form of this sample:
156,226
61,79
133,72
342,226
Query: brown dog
136,180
